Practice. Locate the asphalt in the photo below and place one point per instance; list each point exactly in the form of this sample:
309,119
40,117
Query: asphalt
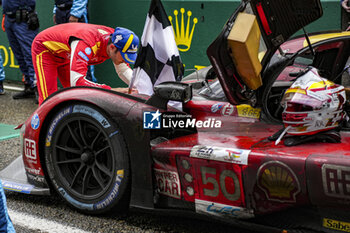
14,112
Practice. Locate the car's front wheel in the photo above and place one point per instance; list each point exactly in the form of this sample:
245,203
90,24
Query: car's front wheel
87,160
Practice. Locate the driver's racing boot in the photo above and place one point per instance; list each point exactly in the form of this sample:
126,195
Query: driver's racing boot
2,90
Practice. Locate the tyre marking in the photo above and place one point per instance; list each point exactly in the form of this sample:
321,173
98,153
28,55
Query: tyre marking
93,113
100,205
114,133
74,202
53,125
113,194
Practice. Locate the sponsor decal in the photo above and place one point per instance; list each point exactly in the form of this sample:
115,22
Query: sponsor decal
53,125
245,110
93,113
336,225
230,155
88,51
216,107
217,209
33,170
133,49
39,179
103,32
168,183
228,110
278,182
151,120
157,120
30,149
113,194
117,39
35,122
23,188
336,180
183,40
83,56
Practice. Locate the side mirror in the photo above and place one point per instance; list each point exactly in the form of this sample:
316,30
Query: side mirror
166,91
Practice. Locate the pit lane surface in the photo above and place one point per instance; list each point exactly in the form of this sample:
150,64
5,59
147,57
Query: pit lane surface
50,214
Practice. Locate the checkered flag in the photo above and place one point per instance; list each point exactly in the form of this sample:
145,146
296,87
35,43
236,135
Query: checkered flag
158,59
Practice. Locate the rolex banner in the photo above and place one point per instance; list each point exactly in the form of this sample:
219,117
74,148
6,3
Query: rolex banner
158,59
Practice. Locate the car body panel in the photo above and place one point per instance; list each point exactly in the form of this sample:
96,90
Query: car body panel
295,44
125,110
274,177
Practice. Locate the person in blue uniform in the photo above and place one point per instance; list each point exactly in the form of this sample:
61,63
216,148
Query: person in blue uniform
2,72
2,76
21,26
345,14
5,221
71,11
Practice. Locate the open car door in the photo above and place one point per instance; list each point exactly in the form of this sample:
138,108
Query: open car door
250,38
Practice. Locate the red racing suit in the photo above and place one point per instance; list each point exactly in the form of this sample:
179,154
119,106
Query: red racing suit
53,56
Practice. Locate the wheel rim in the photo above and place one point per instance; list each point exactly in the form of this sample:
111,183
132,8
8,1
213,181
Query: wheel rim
83,158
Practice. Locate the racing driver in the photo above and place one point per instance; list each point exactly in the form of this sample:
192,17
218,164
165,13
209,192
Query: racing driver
66,50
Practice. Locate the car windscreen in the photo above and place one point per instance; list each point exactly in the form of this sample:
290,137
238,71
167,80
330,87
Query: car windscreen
213,91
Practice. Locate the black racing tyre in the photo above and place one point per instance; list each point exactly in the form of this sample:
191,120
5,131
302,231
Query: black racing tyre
87,160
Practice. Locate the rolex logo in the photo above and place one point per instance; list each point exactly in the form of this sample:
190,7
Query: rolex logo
183,36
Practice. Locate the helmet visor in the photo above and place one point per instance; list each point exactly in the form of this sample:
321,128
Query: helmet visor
302,99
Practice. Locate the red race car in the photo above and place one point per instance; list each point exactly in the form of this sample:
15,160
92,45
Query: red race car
104,151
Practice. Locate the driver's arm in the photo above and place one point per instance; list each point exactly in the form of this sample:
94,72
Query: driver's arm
124,72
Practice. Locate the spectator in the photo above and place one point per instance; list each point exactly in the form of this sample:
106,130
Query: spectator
21,26
72,11
68,49
345,14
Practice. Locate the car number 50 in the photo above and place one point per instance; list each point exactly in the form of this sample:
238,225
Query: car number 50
220,185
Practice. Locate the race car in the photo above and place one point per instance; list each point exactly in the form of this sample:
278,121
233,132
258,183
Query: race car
104,151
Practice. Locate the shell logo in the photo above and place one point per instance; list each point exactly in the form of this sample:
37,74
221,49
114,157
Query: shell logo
278,182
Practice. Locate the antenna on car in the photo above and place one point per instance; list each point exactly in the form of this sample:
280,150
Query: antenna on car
280,50
308,42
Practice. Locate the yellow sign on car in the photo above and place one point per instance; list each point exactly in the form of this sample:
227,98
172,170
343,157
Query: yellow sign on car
336,225
245,110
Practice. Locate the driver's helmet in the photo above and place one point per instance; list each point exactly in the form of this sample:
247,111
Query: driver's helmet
312,104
